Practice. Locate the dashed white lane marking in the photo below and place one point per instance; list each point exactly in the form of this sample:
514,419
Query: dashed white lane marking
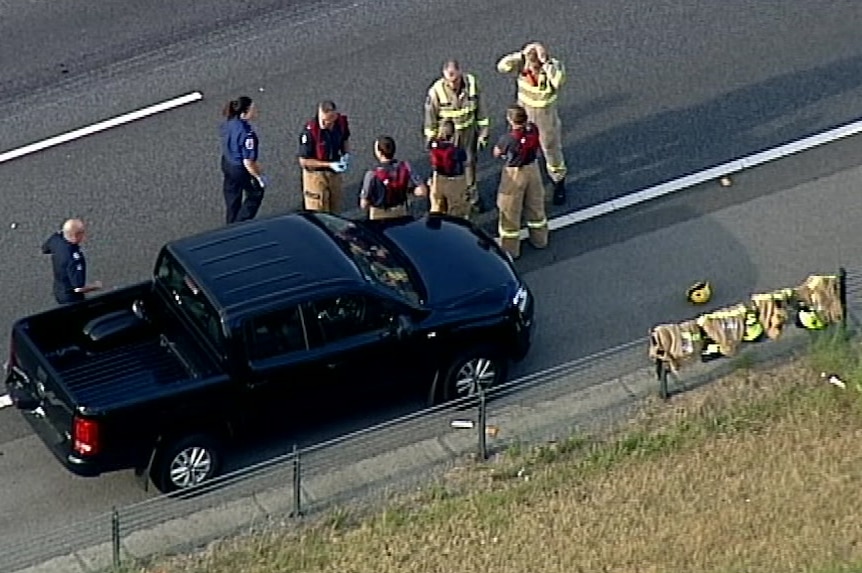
711,174
101,126
5,401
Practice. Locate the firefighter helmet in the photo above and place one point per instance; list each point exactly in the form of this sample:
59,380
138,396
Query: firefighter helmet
753,327
699,293
809,318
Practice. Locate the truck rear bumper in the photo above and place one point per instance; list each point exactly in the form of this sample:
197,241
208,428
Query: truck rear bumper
60,446
57,443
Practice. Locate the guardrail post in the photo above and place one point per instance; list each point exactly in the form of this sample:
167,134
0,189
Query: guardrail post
661,376
115,537
842,293
483,447
297,484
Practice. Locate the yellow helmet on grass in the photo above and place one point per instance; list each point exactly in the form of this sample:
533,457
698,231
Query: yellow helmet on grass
753,327
699,293
809,318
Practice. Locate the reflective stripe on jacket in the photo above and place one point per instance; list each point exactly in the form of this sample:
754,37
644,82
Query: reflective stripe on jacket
443,104
535,91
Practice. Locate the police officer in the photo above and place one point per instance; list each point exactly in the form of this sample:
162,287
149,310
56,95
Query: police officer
448,182
540,78
67,260
520,189
239,164
324,154
456,96
386,188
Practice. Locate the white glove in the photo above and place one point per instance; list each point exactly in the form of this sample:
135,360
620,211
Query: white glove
338,166
345,159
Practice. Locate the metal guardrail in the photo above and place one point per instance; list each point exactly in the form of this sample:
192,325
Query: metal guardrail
286,472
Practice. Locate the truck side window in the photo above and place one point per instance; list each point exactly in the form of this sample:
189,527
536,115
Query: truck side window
276,334
345,316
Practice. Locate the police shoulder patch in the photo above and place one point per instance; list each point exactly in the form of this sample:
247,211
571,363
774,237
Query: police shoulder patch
249,143
304,138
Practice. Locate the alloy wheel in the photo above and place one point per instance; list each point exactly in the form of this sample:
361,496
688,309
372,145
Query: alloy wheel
474,372
190,467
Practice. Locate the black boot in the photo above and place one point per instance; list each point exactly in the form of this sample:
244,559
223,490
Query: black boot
560,192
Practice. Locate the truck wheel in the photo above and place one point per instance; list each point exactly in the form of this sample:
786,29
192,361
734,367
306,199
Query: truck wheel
186,463
479,367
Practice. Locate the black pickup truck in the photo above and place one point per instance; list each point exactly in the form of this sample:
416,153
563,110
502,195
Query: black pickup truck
304,309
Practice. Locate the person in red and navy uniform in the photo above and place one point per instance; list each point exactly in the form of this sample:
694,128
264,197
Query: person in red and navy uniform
387,187
449,186
324,154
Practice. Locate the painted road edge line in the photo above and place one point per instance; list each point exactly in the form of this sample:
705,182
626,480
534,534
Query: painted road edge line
5,401
710,174
100,126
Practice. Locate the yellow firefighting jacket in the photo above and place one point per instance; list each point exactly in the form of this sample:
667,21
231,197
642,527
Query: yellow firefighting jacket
539,90
465,108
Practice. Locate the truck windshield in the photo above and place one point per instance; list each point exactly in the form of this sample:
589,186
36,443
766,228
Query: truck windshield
375,260
191,301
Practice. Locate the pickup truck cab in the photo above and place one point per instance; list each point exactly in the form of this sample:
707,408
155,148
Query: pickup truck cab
304,309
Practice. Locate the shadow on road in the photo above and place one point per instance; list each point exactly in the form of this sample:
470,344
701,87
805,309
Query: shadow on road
616,278
677,142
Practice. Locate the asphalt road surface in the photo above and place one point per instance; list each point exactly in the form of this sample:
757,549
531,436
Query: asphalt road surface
654,93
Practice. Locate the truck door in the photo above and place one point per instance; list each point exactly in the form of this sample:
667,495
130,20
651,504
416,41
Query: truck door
366,362
284,377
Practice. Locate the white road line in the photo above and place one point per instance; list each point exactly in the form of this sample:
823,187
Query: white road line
101,126
5,401
703,176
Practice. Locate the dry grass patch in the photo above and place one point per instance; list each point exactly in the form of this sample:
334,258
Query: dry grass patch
761,471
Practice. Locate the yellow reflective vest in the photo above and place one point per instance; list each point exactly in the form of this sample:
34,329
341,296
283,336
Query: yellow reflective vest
464,108
537,91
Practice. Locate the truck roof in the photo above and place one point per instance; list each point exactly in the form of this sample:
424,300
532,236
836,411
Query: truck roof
240,264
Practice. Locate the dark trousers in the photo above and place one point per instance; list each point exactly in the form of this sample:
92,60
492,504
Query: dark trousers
64,296
238,181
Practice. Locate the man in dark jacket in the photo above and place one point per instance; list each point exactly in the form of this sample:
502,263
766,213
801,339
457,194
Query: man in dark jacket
67,260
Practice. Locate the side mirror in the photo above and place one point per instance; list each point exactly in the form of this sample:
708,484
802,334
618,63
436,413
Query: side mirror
403,326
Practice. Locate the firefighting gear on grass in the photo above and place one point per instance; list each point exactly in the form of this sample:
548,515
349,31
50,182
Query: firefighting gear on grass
539,79
813,305
699,293
822,294
773,309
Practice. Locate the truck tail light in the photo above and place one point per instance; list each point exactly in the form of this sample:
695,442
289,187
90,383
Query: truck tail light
85,436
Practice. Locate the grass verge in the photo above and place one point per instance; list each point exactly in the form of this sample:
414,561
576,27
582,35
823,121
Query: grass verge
760,471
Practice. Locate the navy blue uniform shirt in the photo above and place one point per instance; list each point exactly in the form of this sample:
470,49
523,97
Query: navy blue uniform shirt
239,141
70,268
374,190
458,167
511,148
333,141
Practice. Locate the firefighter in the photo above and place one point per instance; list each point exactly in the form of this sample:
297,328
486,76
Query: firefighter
456,96
521,187
324,154
540,78
386,188
448,182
